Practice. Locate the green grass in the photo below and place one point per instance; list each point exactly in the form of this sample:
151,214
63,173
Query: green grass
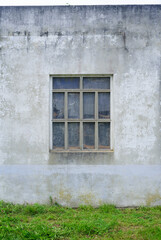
18,222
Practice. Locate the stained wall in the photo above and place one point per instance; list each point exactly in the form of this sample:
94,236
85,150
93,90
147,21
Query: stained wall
37,42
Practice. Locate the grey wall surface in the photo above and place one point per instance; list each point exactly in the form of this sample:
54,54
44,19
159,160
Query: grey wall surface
36,42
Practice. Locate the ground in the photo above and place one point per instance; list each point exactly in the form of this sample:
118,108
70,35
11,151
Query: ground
52,221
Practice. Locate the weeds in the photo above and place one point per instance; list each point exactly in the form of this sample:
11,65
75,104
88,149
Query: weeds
52,221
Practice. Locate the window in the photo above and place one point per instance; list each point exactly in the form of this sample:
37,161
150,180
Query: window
81,113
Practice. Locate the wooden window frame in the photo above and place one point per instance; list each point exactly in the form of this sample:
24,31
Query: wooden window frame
81,120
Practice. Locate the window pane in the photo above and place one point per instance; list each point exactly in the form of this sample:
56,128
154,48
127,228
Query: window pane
104,105
73,135
66,83
88,135
88,105
58,105
96,82
73,105
103,135
58,135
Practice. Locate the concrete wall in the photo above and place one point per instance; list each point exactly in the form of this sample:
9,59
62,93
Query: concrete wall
36,42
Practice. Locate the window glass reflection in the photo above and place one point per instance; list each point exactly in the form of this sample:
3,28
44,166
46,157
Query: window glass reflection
88,105
58,105
65,83
58,135
73,135
88,135
96,82
104,105
103,135
73,105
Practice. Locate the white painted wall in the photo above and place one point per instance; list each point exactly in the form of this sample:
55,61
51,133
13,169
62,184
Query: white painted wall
120,40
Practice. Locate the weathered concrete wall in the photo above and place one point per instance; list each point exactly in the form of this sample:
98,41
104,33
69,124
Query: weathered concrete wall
120,40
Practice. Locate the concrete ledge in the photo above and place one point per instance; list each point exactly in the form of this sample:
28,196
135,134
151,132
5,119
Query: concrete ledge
129,185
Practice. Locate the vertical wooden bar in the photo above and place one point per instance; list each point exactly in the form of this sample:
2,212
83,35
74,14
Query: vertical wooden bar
66,135
81,113
81,135
66,105
81,83
66,117
51,112
96,120
96,106
111,113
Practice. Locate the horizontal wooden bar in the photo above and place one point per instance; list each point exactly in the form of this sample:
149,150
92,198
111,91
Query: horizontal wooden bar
81,75
80,90
82,151
81,120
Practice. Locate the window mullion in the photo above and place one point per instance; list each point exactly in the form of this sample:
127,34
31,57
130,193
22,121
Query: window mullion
96,118
96,106
66,135
66,105
111,115
81,114
81,83
81,135
66,117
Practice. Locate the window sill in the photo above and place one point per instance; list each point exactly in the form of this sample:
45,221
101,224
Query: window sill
82,151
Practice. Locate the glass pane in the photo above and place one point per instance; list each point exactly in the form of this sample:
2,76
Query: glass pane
73,105
96,82
58,135
103,135
73,135
88,135
88,105
66,83
104,105
58,105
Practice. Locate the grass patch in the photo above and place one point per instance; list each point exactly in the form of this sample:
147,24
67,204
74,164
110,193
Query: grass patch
43,222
